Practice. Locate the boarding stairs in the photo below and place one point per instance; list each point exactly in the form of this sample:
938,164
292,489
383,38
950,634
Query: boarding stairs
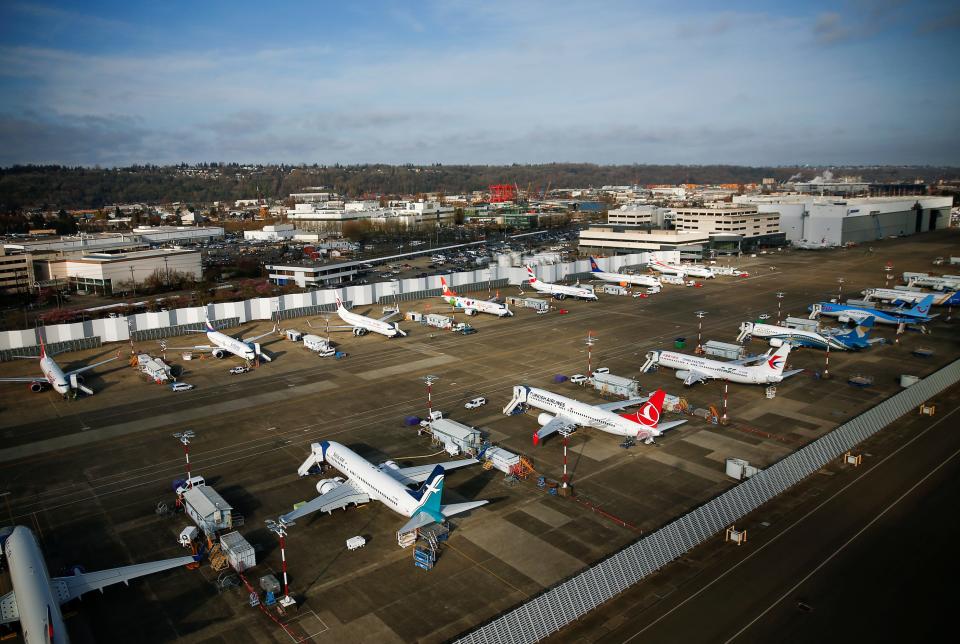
651,360
745,329
815,311
315,459
515,403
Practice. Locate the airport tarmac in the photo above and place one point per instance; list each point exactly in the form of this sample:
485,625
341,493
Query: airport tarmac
87,475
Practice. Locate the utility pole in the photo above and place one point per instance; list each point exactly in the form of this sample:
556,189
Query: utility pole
700,315
166,271
430,379
184,437
133,282
780,295
280,529
591,340
840,282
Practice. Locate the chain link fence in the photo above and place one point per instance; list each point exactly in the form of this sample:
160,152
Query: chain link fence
57,347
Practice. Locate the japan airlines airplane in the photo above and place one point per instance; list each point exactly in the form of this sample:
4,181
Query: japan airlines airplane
623,278
559,291
566,414
917,314
694,369
55,378
777,335
36,597
471,306
222,344
361,324
682,270
386,483
901,297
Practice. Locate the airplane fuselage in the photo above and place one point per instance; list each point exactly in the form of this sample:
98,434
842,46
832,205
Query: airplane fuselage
621,278
858,314
39,609
682,271
562,289
718,369
370,324
231,345
376,483
795,336
54,375
947,298
469,305
583,414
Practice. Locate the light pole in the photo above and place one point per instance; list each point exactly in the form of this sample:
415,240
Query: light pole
700,315
430,380
840,282
280,529
780,295
184,437
591,340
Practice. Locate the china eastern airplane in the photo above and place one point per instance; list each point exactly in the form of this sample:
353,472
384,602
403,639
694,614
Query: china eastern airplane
694,369
36,597
623,278
361,324
559,291
901,297
858,338
386,483
917,314
54,377
471,306
222,344
682,270
564,414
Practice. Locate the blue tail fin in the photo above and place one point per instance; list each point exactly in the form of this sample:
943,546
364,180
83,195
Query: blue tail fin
430,492
921,308
593,266
857,337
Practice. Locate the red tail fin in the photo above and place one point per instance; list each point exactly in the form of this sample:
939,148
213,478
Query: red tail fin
43,347
446,289
649,414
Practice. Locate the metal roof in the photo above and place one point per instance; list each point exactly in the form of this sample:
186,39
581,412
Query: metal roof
205,500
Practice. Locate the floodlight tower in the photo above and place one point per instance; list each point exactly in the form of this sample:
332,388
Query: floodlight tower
700,315
184,437
429,380
780,295
590,341
280,529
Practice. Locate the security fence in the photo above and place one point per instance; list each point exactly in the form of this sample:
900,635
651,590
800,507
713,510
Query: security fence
557,607
140,335
461,289
52,349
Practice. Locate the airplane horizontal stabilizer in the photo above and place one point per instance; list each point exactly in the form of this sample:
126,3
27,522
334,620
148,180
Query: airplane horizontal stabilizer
417,521
792,372
458,508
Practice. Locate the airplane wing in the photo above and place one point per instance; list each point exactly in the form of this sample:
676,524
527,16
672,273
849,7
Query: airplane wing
9,612
753,359
37,379
389,316
620,404
197,347
257,337
71,587
419,473
339,497
90,366
693,377
557,424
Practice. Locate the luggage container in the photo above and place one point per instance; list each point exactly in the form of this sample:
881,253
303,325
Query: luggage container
293,335
239,552
356,542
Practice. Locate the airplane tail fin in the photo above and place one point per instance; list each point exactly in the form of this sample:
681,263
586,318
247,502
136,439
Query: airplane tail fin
446,289
43,347
649,414
208,323
339,303
778,360
428,496
593,266
531,275
921,308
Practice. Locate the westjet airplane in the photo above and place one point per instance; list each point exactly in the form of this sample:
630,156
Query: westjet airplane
694,369
386,483
222,344
566,414
623,278
64,383
471,306
559,291
917,314
858,338
682,270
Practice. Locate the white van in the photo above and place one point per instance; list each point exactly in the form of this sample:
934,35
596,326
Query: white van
193,481
578,379
181,386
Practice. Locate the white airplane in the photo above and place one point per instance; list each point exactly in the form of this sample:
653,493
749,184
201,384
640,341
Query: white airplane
623,278
858,338
471,306
361,324
36,597
901,296
682,270
222,344
386,483
559,291
54,377
566,414
694,369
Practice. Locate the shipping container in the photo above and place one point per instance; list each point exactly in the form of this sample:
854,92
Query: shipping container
239,552
501,459
608,383
723,350
438,321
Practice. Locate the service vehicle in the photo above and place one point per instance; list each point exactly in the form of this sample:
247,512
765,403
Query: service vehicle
476,402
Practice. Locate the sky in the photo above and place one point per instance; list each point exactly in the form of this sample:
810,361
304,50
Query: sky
752,83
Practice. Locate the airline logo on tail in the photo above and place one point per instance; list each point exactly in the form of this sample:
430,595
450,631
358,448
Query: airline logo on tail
649,414
209,325
533,278
446,289
775,362
43,347
428,496
593,266
339,303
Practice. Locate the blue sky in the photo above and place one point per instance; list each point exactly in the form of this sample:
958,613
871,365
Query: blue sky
114,83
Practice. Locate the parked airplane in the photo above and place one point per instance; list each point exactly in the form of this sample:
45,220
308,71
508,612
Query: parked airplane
623,278
36,597
559,291
566,414
682,270
54,377
777,335
361,324
471,306
902,297
386,483
937,283
221,345
694,369
917,314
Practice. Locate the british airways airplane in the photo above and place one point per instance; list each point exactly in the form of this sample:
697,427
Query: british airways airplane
386,483
623,278
917,314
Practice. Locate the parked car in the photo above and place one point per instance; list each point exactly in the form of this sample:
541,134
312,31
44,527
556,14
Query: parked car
601,370
239,369
476,402
578,379
181,386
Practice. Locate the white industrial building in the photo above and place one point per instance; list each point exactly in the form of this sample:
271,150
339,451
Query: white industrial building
100,272
633,214
169,234
276,232
622,240
808,220
332,216
312,276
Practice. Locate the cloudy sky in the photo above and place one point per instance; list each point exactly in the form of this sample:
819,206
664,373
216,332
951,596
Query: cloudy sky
861,81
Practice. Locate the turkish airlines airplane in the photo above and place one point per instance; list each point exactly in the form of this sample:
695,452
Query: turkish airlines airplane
54,377
36,597
386,483
566,414
682,270
559,291
694,369
623,278
471,306
222,344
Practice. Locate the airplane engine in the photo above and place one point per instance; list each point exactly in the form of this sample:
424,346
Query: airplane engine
470,311
544,418
560,296
682,375
78,378
776,342
391,464
37,386
358,331
326,485
220,354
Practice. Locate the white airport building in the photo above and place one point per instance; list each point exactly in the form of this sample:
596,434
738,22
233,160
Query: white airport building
312,276
276,232
100,272
813,221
